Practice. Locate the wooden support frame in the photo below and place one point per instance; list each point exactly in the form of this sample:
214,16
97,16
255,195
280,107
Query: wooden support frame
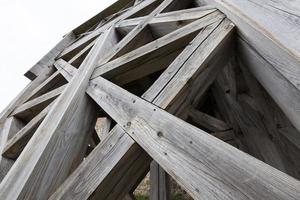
182,48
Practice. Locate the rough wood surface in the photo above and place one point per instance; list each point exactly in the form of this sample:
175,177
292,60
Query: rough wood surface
10,128
147,128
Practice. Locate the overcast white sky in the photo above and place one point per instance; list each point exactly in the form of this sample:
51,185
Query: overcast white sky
29,29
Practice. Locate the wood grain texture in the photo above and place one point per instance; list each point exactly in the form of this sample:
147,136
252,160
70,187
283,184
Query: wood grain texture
155,45
16,144
11,126
165,23
174,152
206,121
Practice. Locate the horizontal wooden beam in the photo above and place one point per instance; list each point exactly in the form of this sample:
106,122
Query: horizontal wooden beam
31,108
114,67
16,144
164,23
206,121
11,126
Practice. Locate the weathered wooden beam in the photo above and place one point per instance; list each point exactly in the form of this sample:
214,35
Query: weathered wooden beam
212,44
209,122
273,119
54,81
31,108
146,127
68,187
48,147
17,143
129,42
118,66
165,23
145,68
11,126
76,49
98,31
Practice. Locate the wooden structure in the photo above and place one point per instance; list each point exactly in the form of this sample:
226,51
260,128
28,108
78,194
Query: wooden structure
204,91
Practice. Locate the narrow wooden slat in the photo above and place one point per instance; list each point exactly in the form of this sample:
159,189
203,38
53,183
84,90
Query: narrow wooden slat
159,183
16,144
55,80
31,108
69,187
208,122
165,23
104,27
77,47
221,36
155,45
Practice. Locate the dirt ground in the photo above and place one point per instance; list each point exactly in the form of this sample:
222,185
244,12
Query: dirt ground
176,191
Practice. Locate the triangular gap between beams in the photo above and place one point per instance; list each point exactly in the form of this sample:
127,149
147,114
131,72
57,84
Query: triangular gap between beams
147,10
144,71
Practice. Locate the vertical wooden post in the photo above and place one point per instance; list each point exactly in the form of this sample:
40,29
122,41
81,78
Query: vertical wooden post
159,183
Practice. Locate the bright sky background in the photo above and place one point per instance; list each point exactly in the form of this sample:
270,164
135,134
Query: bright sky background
29,29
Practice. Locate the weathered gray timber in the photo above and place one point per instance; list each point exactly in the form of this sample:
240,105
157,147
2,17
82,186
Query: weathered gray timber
176,91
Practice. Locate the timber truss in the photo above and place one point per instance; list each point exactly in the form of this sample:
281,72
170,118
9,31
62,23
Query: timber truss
164,81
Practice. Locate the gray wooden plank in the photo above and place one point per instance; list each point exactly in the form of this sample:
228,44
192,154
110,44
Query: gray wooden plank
115,66
168,140
221,36
208,122
31,108
16,144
